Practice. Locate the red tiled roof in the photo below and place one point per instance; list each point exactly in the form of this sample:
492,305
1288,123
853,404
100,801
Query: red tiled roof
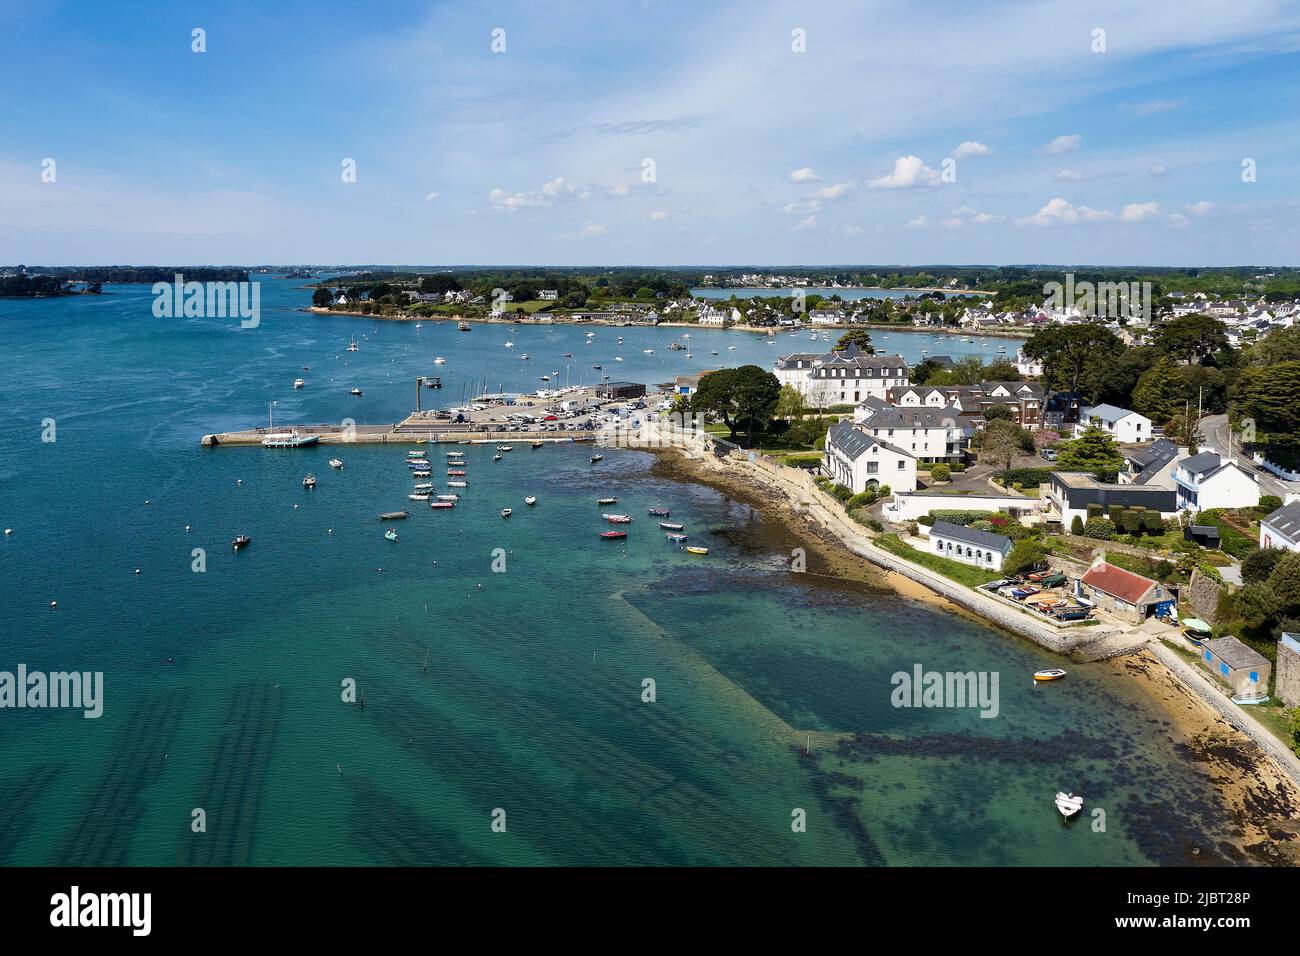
1117,582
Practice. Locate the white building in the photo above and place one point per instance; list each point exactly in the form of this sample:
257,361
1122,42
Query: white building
1125,426
548,295
1028,367
1281,529
858,460
929,434
1208,481
984,549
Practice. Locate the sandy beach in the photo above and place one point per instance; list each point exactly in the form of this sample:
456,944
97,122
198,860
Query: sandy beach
1262,799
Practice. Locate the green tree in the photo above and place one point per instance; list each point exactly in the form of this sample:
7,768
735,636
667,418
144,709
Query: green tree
1284,585
1000,442
1069,351
744,397
1269,398
1093,451
1192,338
321,297
1076,526
859,337
1259,564
1025,556
1159,392
790,403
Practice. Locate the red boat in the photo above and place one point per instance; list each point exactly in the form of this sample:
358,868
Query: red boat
442,504
613,534
452,473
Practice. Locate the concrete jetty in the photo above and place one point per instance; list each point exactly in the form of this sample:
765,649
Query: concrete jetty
390,434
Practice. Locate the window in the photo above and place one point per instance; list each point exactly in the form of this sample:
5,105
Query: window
1254,677
1223,669
901,465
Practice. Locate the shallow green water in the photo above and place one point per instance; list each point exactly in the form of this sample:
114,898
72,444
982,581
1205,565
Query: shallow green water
531,700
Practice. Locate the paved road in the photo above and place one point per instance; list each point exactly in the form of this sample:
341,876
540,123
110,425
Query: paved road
1218,435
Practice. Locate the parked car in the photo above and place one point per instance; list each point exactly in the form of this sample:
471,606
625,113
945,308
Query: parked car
1049,454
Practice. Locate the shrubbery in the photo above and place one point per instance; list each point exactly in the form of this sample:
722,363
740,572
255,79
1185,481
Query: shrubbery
1025,476
1102,529
940,473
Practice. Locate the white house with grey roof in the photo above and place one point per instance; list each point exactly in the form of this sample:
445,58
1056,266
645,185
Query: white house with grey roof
1125,426
859,460
1207,481
930,434
984,549
1151,464
842,378
1281,529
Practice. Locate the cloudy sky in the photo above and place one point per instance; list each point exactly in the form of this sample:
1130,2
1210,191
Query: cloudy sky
653,132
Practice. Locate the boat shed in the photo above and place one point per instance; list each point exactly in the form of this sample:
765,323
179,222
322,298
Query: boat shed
620,390
1203,534
1125,594
1242,668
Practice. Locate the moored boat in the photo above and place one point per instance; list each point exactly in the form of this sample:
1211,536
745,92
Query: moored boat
1068,804
241,541
418,496
497,457
671,525
289,440
675,536
424,486
506,512
298,383
617,519
530,499
421,473
355,391
450,496
458,484
596,458
393,515
607,501
537,444
611,535
309,481
1051,673
659,512
336,463
696,550
390,534
440,505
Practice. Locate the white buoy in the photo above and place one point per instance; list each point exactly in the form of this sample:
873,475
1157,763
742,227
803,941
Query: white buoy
187,527
9,530
54,604
137,570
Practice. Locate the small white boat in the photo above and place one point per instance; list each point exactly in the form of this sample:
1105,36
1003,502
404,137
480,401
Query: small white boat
1068,804
506,512
440,361
458,484
618,358
1052,673
648,351
418,497
355,391
352,346
510,345
497,457
390,534
309,481
336,463
424,487
530,500
448,497
299,383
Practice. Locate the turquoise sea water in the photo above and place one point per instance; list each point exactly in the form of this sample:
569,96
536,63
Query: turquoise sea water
532,697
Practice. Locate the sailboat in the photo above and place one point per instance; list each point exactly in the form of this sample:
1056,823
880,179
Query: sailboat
352,346
1068,804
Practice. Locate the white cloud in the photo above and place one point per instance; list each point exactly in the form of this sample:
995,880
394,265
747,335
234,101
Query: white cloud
920,222
1179,221
809,223
965,215
804,175
1137,211
592,229
1062,144
909,172
658,215
557,190
851,231
833,192
1202,208
1063,211
1152,106
500,199
812,205
970,148
1068,176
1158,170
431,197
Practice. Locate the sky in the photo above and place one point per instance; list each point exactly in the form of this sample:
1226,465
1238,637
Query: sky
661,132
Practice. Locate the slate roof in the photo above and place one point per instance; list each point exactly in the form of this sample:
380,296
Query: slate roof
1205,461
854,442
1286,519
1235,654
1152,460
786,362
1109,413
981,539
1117,582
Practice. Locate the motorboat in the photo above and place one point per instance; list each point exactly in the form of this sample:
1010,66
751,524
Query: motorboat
607,501
675,536
611,535
418,497
448,497
355,391
596,458
299,382
424,487
241,541
390,534
506,512
1052,673
530,500
440,361
455,473
441,505
458,484
537,444
696,550
1068,804
422,473
617,519
659,512
462,326
309,481
336,463
505,447
289,440
671,526
497,457
352,346
393,515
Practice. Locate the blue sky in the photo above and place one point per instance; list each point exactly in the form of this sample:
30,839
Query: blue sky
761,154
